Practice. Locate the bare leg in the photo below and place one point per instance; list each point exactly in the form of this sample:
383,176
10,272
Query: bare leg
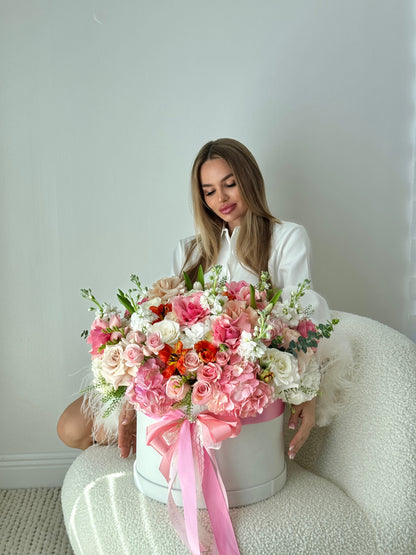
74,428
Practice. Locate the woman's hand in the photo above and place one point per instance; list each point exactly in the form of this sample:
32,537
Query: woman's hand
127,430
304,412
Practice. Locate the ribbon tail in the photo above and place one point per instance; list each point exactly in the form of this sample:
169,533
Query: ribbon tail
218,511
186,473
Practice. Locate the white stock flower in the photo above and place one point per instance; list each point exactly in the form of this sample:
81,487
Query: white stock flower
284,367
195,333
249,348
169,331
290,315
108,311
142,319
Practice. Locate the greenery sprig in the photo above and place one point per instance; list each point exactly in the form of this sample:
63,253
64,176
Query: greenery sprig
303,343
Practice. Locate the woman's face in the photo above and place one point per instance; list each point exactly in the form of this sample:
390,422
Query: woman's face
221,192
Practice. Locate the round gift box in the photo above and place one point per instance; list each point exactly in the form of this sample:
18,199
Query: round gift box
252,465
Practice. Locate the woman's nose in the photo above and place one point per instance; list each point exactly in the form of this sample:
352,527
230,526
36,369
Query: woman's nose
223,194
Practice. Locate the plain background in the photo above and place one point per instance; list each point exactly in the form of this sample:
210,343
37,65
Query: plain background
104,106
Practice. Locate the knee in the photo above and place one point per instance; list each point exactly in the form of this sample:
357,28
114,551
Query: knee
73,429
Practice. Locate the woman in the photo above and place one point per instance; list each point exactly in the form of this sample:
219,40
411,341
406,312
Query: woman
235,229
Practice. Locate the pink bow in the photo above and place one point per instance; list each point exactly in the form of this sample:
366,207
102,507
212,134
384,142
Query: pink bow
174,433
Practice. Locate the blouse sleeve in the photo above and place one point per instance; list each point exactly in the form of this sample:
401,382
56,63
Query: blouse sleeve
179,256
289,266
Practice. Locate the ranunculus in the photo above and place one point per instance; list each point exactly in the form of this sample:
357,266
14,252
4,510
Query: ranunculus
209,372
168,330
176,388
189,309
166,288
133,355
206,351
201,393
305,326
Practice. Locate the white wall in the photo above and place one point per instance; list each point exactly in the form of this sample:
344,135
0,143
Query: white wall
104,106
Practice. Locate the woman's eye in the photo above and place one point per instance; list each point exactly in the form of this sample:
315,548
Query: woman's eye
231,184
209,193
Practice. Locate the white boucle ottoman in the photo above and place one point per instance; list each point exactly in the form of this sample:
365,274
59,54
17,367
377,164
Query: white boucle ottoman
105,513
351,490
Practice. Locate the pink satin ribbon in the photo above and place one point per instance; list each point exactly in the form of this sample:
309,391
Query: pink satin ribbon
185,445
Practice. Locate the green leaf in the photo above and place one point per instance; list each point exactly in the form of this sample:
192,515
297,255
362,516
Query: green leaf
125,301
201,277
276,297
188,281
253,302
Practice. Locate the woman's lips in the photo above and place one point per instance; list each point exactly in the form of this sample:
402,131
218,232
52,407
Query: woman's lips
227,208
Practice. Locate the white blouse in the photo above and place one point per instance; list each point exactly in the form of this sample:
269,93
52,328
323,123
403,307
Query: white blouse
289,263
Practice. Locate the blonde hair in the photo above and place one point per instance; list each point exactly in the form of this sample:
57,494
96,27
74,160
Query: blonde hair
253,243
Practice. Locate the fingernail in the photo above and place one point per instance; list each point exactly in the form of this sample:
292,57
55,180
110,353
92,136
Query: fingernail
124,422
292,455
292,426
291,448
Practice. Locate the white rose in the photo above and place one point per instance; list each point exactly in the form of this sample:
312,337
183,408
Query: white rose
169,331
284,367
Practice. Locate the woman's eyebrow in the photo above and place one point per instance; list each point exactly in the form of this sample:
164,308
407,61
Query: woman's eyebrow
223,179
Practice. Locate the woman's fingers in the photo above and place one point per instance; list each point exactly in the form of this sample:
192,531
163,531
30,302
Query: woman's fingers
127,431
305,413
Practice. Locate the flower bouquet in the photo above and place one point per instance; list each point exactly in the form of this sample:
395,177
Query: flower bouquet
201,359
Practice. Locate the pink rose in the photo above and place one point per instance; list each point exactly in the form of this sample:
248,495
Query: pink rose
192,361
222,357
228,331
210,372
201,393
154,342
176,388
136,337
189,310
133,355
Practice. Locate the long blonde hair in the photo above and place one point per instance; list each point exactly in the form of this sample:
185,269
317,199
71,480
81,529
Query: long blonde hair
253,243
